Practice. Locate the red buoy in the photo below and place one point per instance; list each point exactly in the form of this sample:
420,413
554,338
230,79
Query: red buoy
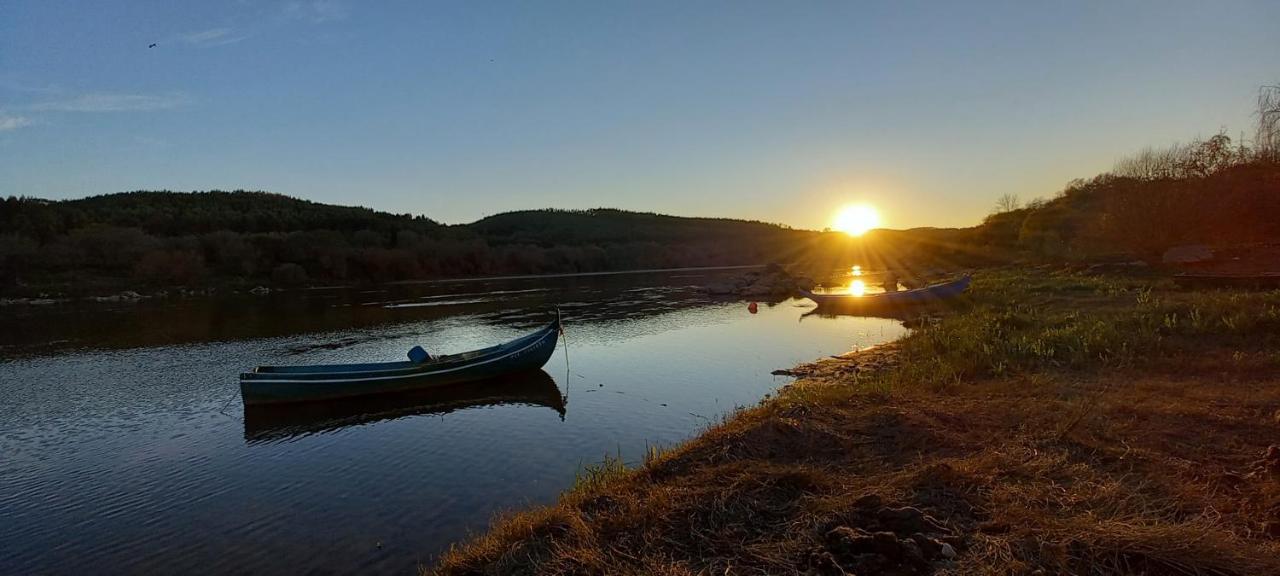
752,308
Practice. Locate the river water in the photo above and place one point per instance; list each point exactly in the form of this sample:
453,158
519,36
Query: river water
124,447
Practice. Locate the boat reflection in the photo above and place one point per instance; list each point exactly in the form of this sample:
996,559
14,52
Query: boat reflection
285,422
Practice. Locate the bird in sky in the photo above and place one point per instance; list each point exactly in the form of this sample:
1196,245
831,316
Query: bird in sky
153,45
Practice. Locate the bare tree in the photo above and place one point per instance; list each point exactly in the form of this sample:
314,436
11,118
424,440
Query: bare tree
1196,159
1007,203
1267,138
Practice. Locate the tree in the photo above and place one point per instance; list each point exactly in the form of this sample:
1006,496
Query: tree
1007,203
1267,138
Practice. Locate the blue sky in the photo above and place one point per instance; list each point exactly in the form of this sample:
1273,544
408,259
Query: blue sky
778,111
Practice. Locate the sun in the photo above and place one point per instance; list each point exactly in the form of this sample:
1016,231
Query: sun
856,219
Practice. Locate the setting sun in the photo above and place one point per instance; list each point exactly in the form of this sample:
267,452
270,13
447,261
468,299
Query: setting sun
856,219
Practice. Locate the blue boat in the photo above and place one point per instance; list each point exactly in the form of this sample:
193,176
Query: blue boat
277,384
906,298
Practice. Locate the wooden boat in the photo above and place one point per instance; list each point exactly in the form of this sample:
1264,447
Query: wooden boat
272,384
920,296
1201,280
282,422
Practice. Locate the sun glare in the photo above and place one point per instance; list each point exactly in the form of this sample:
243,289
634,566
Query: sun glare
856,219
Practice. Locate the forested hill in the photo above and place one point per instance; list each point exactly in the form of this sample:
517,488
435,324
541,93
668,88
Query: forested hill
605,225
177,214
193,239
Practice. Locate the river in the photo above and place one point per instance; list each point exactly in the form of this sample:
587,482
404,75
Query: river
124,447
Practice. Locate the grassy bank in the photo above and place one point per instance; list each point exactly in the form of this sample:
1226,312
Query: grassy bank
1056,423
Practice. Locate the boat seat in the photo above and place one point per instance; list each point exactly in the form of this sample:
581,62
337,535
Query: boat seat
418,355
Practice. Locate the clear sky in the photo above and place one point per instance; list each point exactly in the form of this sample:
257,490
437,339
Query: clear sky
778,111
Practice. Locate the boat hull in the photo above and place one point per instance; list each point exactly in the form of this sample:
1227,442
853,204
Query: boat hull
282,422
269,385
907,298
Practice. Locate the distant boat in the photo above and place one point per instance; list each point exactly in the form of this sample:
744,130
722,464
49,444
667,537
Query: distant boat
919,296
275,384
278,422
1199,280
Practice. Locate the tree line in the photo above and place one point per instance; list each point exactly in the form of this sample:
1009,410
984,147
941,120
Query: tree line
195,239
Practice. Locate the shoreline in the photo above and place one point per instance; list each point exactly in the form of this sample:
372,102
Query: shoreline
1018,435
259,289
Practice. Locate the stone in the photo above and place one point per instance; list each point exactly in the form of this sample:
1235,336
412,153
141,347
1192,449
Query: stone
851,541
928,546
912,554
722,289
887,544
908,520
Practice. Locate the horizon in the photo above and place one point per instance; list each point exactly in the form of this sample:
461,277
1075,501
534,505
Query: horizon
824,229
456,113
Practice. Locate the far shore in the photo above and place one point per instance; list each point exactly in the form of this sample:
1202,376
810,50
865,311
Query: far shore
142,293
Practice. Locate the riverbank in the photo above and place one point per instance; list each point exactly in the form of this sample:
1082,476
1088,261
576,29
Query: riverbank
127,292
1056,423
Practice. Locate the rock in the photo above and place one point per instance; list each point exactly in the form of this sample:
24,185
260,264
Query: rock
756,289
126,296
260,290
784,372
911,554
928,546
848,541
722,289
947,552
887,544
1187,254
772,281
908,520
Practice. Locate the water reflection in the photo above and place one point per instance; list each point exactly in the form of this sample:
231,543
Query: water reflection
119,449
287,422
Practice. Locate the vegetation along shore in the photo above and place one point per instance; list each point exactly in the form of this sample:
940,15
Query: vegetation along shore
1079,412
1056,422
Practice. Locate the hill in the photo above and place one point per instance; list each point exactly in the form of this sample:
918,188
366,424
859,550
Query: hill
166,238
606,225
176,214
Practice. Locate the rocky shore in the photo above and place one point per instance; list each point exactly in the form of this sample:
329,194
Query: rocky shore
773,280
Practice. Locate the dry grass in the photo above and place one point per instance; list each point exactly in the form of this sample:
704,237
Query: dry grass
1154,465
